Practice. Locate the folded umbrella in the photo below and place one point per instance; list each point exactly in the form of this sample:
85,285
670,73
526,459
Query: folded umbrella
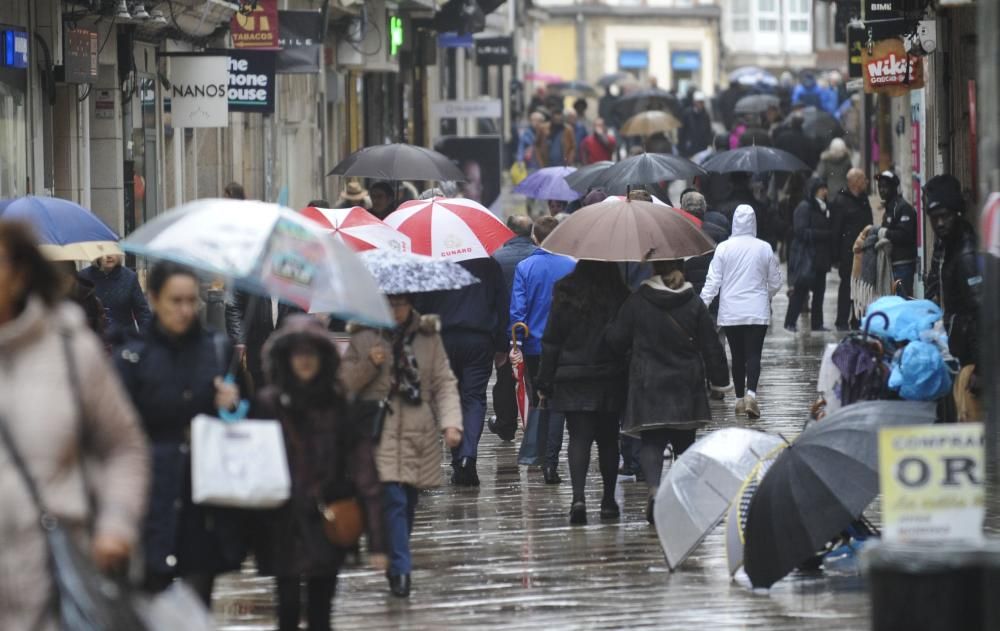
581,180
520,370
646,168
628,231
818,485
756,104
695,493
548,183
399,162
754,160
456,229
66,231
736,516
649,123
359,229
267,250
406,273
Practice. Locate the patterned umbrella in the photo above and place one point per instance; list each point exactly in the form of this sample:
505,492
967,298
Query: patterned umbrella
359,229
399,273
649,123
456,229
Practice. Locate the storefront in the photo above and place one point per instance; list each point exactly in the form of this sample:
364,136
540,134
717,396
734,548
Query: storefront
14,153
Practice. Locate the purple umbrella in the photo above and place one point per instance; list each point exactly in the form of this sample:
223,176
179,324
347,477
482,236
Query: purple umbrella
548,183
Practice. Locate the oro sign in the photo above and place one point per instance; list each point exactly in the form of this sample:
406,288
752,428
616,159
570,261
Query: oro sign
889,70
931,478
199,90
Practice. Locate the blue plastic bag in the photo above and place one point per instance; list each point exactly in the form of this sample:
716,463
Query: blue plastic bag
919,373
907,318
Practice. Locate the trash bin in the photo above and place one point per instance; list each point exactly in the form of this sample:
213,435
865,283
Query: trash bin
927,587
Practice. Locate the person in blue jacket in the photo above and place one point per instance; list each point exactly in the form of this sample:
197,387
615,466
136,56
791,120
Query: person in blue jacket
530,303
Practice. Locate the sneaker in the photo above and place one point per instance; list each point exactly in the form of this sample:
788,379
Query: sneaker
752,409
741,406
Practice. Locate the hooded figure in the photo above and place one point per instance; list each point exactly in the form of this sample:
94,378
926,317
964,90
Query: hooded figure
811,255
745,274
834,164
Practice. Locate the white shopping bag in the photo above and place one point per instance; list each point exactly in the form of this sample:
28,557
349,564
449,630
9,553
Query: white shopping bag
241,464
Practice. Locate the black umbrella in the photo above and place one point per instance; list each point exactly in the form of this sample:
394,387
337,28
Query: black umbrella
819,485
645,168
647,99
399,162
581,88
754,160
818,125
613,78
756,104
581,179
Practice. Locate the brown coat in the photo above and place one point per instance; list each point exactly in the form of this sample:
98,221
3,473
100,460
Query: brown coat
37,402
568,146
410,450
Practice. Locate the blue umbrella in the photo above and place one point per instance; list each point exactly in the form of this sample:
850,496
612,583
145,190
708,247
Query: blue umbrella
548,183
66,231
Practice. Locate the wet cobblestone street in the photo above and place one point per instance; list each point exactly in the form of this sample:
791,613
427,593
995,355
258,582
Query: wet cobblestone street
505,557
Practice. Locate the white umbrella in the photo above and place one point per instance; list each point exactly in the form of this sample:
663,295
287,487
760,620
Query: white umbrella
267,250
695,494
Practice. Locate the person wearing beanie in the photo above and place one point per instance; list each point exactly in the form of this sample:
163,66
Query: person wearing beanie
899,226
811,255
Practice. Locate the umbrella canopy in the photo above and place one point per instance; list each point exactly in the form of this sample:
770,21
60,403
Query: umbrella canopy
66,231
819,485
359,229
543,77
818,125
580,88
611,199
646,99
399,162
694,495
646,168
628,231
756,104
267,250
614,78
548,183
752,75
405,273
581,179
736,517
456,229
649,123
754,160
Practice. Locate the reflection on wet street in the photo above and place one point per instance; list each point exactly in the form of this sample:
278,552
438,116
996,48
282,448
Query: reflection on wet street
504,555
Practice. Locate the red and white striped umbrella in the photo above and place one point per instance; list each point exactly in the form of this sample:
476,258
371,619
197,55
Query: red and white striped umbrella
455,229
359,229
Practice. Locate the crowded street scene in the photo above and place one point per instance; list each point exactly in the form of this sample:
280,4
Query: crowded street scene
499,314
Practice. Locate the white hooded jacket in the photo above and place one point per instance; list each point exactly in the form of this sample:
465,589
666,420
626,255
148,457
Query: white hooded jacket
744,273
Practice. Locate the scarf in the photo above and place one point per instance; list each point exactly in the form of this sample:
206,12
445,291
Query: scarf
405,368
872,279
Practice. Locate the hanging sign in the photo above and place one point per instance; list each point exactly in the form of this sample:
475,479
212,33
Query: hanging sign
258,29
494,51
300,37
889,70
14,48
931,478
199,90
80,55
251,81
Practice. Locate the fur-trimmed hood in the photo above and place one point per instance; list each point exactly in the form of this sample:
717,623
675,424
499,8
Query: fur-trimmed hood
297,327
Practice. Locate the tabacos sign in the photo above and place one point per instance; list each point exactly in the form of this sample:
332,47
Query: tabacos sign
889,70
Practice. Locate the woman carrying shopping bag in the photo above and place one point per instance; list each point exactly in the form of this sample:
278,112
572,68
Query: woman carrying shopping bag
330,460
173,371
407,368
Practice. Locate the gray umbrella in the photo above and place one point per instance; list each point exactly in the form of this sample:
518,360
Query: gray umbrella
756,104
399,273
695,494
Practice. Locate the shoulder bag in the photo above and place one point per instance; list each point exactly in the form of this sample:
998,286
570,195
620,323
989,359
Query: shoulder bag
343,518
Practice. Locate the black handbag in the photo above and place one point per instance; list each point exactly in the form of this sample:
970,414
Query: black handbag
370,416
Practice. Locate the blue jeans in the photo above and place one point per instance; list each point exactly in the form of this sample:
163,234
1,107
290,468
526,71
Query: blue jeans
399,504
471,359
904,272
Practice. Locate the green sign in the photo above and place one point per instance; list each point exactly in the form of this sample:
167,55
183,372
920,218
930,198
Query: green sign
395,34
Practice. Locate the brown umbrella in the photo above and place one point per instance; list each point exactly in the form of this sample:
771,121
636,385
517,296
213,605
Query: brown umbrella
649,123
628,231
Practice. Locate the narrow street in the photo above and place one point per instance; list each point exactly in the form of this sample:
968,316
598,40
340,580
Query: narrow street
505,557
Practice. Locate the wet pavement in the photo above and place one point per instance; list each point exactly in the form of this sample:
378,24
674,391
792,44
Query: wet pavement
504,556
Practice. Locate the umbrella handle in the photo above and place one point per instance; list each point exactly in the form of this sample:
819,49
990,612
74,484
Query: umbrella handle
868,321
242,408
525,332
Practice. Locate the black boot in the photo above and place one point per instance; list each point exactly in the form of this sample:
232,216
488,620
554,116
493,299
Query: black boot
400,585
471,475
649,512
552,475
578,513
458,477
609,509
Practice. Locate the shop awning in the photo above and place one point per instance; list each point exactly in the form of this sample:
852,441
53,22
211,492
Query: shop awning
633,59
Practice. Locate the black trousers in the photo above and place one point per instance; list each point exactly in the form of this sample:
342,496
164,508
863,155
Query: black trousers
746,343
319,594
844,318
584,429
795,303
654,442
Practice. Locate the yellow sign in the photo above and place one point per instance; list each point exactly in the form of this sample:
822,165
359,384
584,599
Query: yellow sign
931,477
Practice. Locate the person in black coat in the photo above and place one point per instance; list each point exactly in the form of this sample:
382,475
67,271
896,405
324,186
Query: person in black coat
899,226
672,342
250,320
696,133
173,372
790,137
518,248
582,378
117,287
740,193
329,459
851,213
812,253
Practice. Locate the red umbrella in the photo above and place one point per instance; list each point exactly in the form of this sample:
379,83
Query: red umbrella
517,362
456,229
359,229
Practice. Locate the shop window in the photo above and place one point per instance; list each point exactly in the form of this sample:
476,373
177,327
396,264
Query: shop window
767,16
